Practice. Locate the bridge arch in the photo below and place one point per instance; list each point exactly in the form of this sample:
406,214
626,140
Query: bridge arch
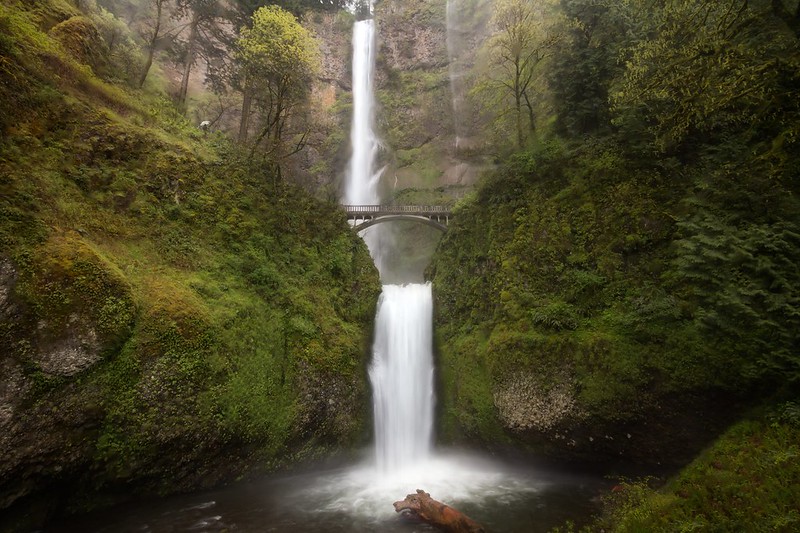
369,222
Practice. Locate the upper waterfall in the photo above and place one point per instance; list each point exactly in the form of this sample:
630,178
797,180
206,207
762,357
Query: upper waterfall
362,180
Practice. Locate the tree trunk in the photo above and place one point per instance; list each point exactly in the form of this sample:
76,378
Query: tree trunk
518,119
531,116
437,514
151,46
518,101
244,123
187,67
147,64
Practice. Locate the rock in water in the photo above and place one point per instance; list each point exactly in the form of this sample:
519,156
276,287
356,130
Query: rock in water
438,514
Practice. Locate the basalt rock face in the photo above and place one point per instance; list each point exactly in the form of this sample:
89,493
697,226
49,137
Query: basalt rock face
412,87
320,166
425,57
415,80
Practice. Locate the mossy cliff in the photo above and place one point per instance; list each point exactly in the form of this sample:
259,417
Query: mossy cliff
572,321
424,111
625,284
412,88
173,315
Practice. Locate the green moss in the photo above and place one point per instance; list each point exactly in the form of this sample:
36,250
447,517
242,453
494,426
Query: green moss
67,280
747,480
469,412
80,38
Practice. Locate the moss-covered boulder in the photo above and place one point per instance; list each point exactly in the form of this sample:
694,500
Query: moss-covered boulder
80,306
81,39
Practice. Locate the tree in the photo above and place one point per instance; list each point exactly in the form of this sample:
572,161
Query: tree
205,36
243,10
713,85
525,34
585,63
277,60
152,35
709,67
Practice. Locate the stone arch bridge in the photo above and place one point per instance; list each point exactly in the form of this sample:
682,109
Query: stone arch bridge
365,216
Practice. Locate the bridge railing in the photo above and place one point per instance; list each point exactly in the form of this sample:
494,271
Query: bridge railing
396,209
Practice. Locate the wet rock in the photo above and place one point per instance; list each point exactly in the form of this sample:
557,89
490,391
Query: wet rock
8,278
409,47
77,350
334,404
524,403
13,388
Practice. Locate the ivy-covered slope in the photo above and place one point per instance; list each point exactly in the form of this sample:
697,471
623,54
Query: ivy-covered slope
172,316
748,480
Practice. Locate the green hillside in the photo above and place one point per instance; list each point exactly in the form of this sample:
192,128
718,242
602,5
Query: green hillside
174,314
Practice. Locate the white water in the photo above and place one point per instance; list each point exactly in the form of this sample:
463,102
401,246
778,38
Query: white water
362,181
361,187
402,377
401,372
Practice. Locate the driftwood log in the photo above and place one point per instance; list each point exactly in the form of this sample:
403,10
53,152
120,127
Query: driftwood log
437,514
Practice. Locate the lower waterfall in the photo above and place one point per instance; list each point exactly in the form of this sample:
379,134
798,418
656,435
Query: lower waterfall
401,374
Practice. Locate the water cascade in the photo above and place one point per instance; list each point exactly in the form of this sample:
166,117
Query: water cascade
402,368
362,182
402,376
456,69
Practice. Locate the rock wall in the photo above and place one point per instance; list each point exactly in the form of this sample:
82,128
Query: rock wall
414,115
415,82
321,165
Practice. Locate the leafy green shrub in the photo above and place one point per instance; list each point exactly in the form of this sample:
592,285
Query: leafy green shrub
556,316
